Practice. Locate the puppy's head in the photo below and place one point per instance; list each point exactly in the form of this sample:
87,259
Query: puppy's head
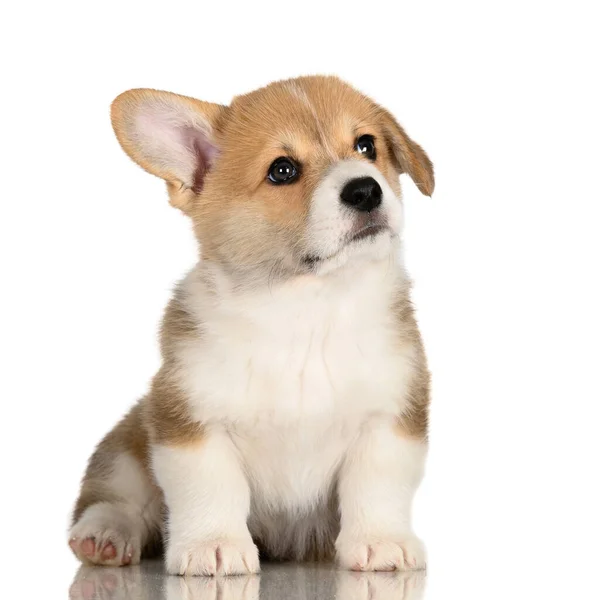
298,177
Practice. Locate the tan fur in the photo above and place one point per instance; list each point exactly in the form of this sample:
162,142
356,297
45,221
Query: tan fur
413,423
241,219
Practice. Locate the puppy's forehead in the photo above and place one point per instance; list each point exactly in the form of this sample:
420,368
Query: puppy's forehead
299,113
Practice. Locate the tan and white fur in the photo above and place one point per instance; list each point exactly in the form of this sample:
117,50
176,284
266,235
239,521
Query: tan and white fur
290,411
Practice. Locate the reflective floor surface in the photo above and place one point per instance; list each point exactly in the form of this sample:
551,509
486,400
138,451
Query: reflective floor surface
287,581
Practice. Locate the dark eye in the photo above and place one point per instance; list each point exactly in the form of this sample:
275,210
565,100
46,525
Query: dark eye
282,170
365,145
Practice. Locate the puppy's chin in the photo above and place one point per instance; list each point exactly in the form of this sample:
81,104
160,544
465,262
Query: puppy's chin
366,247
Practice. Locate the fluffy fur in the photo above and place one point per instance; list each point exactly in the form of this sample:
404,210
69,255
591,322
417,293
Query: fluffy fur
290,411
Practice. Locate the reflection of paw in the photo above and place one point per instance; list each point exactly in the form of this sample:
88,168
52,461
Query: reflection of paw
96,584
409,585
213,588
380,555
215,557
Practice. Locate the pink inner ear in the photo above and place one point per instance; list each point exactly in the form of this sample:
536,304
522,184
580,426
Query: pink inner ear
203,151
175,139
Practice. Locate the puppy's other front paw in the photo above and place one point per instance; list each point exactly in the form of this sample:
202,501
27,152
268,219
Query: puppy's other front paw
377,554
213,557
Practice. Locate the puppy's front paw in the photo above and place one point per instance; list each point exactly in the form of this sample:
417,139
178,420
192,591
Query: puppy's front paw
225,556
378,554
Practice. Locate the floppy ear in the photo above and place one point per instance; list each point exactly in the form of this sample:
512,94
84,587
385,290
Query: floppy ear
170,136
409,156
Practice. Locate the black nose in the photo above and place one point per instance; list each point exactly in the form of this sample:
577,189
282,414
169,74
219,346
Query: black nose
362,194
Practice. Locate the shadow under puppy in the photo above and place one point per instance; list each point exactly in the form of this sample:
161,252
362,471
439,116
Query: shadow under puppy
290,410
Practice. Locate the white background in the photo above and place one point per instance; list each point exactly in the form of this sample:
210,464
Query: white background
504,256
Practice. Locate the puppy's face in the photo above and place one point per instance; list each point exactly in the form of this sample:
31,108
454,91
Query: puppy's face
297,177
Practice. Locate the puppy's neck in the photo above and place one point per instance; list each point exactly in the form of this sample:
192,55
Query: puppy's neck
280,273
211,287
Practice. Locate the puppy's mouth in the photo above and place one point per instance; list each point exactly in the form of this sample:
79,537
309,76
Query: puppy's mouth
369,231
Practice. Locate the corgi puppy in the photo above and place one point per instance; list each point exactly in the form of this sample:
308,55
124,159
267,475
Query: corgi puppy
289,416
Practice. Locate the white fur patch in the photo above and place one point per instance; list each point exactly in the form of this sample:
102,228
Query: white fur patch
293,374
378,480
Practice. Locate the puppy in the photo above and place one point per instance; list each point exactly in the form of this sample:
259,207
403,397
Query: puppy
290,411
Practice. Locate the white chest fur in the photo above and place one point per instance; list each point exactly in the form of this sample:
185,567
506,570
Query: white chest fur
293,373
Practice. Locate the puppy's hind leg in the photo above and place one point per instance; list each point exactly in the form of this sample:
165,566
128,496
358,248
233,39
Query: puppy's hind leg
118,514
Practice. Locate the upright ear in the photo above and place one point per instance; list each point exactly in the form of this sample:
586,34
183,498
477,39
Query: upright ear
170,136
409,156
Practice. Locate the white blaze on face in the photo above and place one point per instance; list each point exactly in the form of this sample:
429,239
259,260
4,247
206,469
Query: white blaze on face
331,223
